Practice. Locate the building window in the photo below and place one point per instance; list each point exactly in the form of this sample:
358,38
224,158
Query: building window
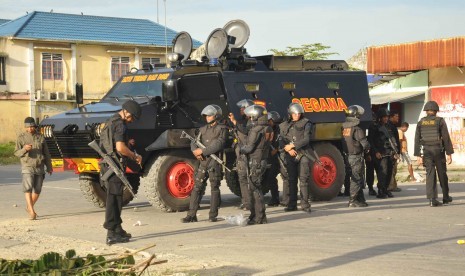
52,66
2,70
119,67
149,61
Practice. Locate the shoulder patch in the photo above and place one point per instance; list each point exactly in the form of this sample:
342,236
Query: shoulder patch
346,132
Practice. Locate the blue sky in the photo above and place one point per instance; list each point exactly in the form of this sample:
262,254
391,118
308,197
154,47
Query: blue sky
345,25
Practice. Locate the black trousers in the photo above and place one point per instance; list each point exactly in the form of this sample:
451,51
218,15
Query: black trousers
270,178
256,199
434,160
114,204
207,170
357,179
383,169
370,173
298,171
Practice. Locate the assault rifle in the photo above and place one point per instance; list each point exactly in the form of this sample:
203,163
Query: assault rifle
202,146
392,141
281,161
114,168
304,152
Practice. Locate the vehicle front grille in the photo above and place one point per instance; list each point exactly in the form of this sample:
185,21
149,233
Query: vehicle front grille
53,148
75,145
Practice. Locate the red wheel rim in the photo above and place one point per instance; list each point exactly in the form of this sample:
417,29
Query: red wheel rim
180,180
324,178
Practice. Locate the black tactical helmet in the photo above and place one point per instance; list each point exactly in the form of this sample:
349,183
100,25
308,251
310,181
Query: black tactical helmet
273,115
29,122
212,110
382,112
431,105
244,103
295,108
133,108
355,111
255,112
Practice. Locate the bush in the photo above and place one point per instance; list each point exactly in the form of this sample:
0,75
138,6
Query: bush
7,154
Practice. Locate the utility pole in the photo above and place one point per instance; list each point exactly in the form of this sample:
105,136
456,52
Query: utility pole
166,39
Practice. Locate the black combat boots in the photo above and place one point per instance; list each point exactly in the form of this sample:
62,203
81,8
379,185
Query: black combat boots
274,202
381,194
447,200
113,237
188,219
434,202
290,208
120,231
354,202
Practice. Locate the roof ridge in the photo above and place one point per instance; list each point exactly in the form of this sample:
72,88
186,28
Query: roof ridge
25,23
90,15
14,20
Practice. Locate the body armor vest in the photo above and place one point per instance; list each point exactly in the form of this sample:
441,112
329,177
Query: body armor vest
208,134
106,136
350,145
262,148
429,129
296,131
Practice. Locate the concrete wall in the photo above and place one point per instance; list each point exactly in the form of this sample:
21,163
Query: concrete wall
411,113
16,69
12,118
91,67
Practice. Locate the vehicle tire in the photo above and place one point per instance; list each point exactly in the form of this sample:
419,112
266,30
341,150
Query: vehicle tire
168,180
325,185
97,194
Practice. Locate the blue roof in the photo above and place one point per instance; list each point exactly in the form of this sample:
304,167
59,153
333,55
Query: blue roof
88,28
3,21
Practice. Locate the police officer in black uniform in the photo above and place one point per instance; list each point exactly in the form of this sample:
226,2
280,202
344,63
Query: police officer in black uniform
213,137
384,151
369,160
432,144
114,142
241,127
355,146
295,141
256,150
274,163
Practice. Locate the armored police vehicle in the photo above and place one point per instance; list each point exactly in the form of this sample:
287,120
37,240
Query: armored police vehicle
173,97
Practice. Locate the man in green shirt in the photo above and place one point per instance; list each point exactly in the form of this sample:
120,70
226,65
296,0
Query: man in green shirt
34,155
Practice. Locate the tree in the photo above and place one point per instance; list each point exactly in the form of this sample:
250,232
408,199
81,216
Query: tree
309,51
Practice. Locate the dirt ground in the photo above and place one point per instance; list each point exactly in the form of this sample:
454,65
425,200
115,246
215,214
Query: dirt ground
25,239
23,242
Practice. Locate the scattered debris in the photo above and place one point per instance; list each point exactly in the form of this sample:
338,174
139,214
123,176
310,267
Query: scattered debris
239,220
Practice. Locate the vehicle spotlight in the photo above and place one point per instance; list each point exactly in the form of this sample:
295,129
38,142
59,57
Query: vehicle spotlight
174,57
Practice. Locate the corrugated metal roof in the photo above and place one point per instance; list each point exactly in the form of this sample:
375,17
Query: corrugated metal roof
88,28
417,56
2,21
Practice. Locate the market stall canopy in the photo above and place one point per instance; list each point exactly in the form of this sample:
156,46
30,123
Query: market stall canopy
400,89
382,98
